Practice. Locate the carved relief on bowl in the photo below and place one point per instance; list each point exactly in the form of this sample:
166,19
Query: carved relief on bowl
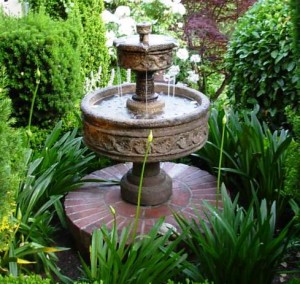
123,147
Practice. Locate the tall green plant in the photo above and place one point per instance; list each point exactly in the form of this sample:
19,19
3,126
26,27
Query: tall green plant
253,156
94,53
116,259
234,245
53,171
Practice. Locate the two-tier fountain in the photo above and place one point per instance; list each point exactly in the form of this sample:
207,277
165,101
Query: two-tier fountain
117,121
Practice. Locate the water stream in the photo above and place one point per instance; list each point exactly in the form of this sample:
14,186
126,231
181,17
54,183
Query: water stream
119,79
146,92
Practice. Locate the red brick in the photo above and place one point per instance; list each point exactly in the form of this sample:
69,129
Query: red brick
125,209
88,207
157,212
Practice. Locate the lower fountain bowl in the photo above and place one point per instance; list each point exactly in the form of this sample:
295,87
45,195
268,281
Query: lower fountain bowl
125,138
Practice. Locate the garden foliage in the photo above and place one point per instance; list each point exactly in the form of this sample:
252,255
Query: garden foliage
115,258
292,162
24,279
38,50
292,165
57,9
261,61
12,165
253,155
51,173
234,245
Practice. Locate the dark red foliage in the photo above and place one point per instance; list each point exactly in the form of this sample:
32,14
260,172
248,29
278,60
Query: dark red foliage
209,24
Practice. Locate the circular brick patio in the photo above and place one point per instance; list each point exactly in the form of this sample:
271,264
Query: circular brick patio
88,207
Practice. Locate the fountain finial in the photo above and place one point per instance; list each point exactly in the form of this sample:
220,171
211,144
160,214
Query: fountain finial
144,29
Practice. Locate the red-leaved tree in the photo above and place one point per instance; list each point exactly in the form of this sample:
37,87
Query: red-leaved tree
208,26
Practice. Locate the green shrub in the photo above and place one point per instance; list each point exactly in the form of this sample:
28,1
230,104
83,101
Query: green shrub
294,281
38,51
12,164
261,61
57,9
292,161
234,245
94,53
24,279
292,164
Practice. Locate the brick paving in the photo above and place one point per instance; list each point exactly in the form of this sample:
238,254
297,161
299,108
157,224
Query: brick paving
88,207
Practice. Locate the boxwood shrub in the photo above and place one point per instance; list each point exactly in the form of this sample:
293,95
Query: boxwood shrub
45,53
261,61
94,53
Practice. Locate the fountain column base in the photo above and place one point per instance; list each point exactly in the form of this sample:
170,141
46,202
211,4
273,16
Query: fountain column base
139,107
156,187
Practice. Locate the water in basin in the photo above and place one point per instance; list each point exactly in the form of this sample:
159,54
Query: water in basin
115,106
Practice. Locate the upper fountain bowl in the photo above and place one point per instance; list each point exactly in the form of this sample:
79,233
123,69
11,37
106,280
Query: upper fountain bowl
145,51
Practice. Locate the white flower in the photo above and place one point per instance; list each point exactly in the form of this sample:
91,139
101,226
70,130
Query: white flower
180,84
111,52
108,17
195,58
193,77
178,8
167,3
110,37
126,26
180,25
182,53
122,12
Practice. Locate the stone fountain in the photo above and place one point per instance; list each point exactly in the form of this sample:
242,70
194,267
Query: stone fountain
117,121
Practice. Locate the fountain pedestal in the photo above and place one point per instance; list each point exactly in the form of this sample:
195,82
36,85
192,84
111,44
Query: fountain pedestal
156,184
